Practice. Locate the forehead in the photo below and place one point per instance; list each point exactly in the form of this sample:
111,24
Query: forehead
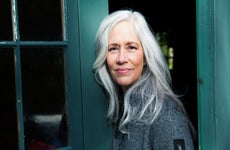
125,24
123,30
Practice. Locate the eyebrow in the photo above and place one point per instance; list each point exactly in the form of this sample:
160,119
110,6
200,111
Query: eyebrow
132,42
128,43
113,44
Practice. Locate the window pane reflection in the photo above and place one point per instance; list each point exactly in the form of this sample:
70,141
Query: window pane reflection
43,87
5,20
40,20
8,115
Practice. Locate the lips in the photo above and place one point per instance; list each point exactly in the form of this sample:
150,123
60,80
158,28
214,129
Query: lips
122,71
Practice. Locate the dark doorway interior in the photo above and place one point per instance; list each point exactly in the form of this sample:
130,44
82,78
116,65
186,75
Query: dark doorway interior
178,19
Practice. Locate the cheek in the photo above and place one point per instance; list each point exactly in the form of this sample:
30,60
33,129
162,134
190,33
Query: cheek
110,61
138,60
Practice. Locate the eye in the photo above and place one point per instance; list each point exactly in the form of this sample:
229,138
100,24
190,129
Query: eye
132,47
112,48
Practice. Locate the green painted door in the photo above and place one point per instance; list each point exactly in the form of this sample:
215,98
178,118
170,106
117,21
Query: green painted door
213,51
95,130
49,97
87,104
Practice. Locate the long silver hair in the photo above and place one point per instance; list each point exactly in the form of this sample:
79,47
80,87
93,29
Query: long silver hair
154,84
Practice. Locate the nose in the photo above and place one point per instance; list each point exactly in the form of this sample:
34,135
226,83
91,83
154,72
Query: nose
122,57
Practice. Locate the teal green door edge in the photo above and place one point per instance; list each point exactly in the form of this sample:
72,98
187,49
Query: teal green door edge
89,128
213,21
73,77
97,132
206,87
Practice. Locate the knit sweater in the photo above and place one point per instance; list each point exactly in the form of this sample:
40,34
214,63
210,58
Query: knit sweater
169,131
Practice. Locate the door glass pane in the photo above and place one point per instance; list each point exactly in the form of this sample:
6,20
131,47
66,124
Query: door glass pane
5,20
8,115
43,86
40,20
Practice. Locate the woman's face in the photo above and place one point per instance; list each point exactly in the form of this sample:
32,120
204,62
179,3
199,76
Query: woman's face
125,57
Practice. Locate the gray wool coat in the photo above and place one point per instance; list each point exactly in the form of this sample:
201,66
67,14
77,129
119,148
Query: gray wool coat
168,132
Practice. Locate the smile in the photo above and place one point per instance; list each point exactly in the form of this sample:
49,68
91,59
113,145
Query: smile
122,71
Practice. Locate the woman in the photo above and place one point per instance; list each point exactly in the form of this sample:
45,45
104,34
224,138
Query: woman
144,111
